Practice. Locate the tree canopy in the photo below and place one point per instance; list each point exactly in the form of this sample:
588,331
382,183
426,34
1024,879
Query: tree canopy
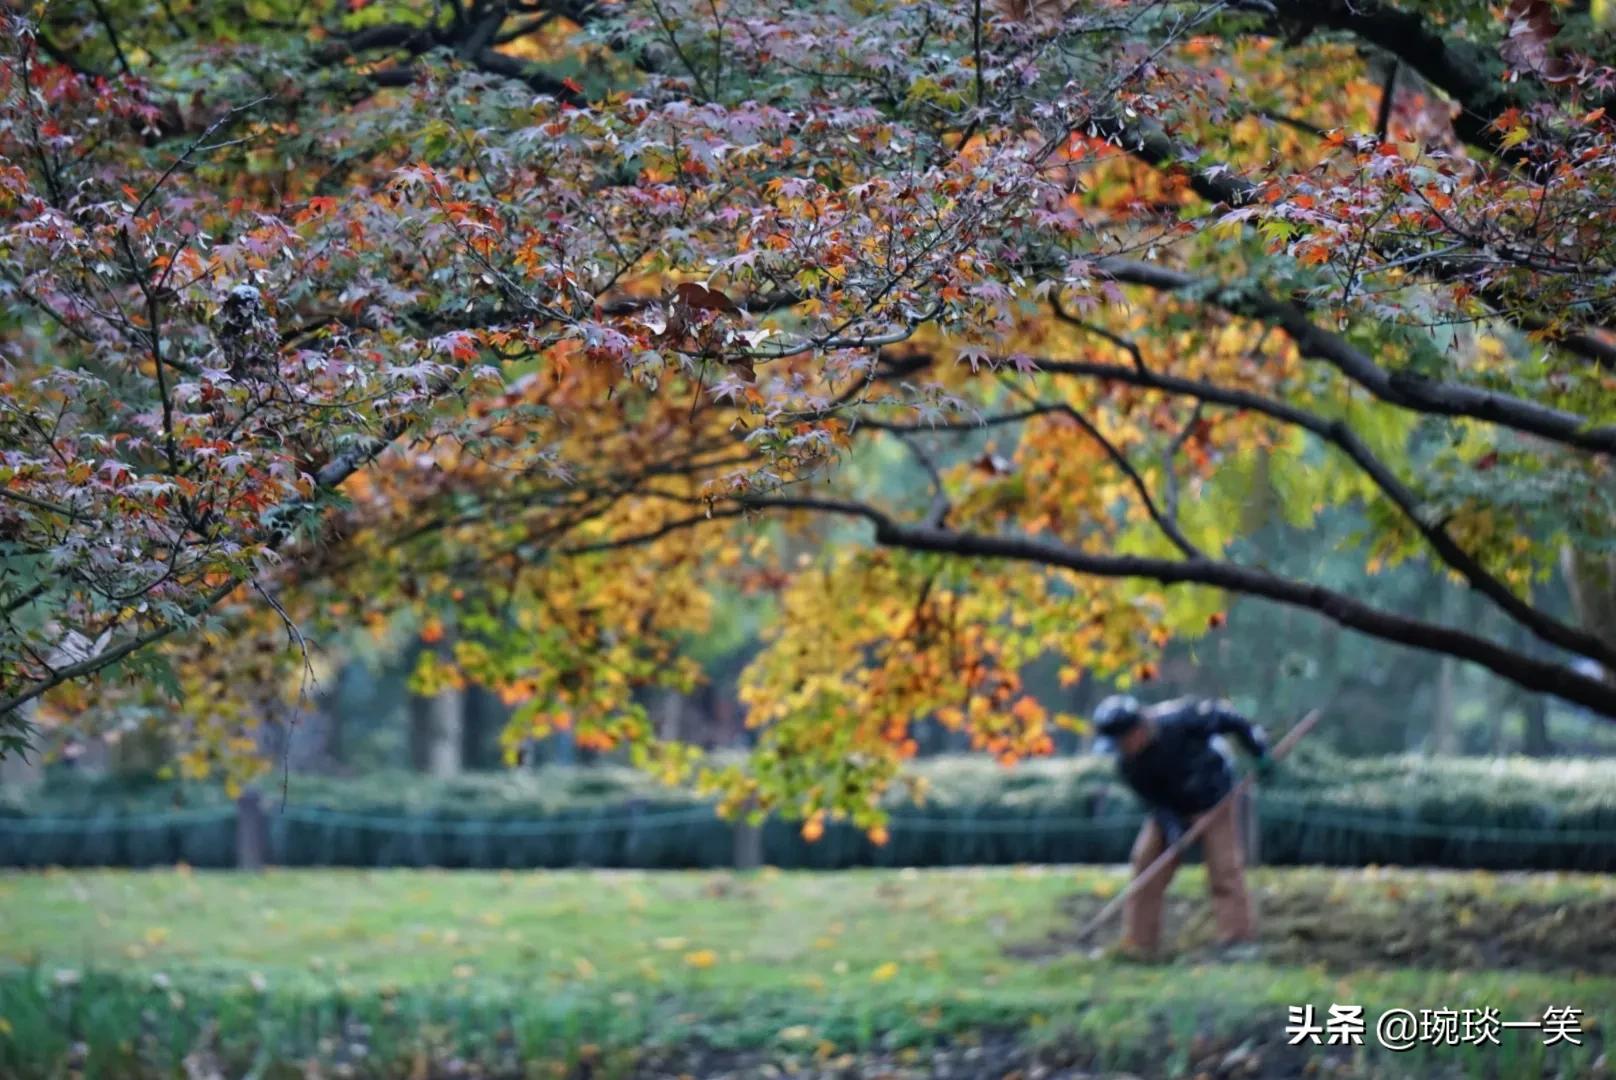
973,333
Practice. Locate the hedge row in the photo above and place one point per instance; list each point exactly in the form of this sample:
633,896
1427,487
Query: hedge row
1506,790
1506,814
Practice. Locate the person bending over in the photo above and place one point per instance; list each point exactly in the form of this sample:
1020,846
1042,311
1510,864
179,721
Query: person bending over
1172,759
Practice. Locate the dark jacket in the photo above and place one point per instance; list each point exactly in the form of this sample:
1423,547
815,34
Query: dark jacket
1180,773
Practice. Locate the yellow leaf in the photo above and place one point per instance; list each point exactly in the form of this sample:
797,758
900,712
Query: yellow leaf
701,959
884,972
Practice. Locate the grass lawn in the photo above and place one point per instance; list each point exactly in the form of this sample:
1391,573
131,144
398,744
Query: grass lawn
512,968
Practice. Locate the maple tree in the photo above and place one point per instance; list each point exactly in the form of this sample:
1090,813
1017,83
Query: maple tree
521,328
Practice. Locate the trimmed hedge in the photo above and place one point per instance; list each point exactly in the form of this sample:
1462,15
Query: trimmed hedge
1496,814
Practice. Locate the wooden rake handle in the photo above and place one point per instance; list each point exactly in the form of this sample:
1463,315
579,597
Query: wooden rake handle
1193,833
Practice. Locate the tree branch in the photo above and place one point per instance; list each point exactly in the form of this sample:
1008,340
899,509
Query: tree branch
1460,69
1221,185
1164,522
91,664
1556,679
275,532
1340,435
1398,388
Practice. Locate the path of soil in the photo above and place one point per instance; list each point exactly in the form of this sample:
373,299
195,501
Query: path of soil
1395,921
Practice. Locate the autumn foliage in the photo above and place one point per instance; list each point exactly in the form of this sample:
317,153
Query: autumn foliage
563,319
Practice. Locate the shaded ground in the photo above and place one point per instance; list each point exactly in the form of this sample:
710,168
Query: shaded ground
998,1054
1006,1056
1404,919
1001,1056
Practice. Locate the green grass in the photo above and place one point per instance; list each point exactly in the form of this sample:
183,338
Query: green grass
861,959
365,930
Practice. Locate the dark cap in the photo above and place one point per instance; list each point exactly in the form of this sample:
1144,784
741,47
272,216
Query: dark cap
1116,715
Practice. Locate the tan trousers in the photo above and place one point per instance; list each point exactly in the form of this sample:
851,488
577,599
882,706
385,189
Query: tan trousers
1225,876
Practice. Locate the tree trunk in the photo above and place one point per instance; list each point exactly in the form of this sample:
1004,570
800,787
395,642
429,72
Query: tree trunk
1591,579
331,708
252,832
748,846
1498,703
437,732
485,718
670,708
1443,736
1535,732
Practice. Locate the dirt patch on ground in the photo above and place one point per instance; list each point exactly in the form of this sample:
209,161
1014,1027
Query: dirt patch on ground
1395,921
999,1057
